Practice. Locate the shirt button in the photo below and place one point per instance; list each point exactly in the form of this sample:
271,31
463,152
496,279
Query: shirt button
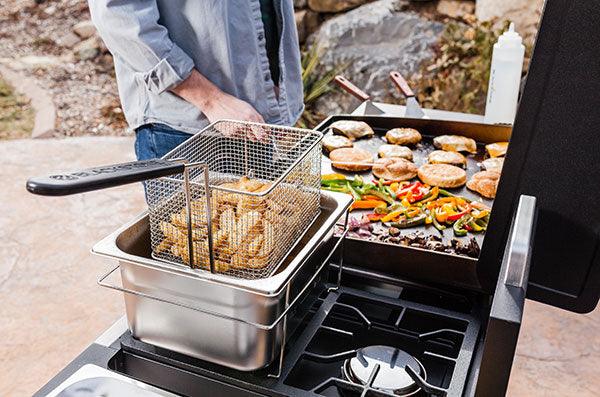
261,36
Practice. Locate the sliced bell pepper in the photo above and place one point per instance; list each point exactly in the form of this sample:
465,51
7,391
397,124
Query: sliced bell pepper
418,220
459,225
357,181
474,226
380,195
353,192
458,215
437,224
392,215
412,212
375,217
333,177
369,197
367,204
478,214
432,195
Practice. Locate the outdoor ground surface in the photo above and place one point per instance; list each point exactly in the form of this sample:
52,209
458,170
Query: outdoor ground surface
51,307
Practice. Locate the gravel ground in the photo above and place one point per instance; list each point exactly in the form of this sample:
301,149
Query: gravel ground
84,92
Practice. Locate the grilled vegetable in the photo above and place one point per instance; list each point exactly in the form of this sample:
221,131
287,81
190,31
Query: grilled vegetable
459,226
367,204
410,222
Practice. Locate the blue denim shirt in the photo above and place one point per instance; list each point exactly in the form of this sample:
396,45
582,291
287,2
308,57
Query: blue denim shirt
157,43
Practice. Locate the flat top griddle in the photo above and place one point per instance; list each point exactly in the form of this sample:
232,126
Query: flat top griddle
420,153
398,259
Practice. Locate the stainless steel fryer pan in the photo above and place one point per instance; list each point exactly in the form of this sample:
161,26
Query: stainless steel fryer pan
237,323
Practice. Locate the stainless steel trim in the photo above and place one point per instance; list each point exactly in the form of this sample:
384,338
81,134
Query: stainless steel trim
265,327
520,241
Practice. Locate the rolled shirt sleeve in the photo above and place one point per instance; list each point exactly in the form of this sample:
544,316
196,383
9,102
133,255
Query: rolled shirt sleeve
131,31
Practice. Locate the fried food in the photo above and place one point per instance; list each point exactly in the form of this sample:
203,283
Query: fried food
352,129
332,142
455,143
243,235
444,157
388,150
485,183
394,168
403,136
351,159
497,149
442,175
493,164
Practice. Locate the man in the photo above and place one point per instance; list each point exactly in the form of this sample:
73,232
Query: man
182,64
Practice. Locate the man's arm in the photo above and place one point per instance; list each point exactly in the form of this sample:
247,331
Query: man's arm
131,31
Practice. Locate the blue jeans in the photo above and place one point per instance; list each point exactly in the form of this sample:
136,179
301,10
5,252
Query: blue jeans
155,140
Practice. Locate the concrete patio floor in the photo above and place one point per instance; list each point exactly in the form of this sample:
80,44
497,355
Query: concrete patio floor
51,307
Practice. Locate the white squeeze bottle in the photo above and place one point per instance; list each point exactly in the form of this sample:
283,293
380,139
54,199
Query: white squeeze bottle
505,78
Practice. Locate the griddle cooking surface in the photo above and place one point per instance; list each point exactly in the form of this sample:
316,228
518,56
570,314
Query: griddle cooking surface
420,153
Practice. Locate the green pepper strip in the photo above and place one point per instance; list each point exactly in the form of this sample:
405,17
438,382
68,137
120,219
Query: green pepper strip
381,195
448,194
358,180
436,224
352,191
458,227
475,226
417,220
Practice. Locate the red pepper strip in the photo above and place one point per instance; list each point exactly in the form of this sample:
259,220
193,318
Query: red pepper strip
459,215
375,217
469,228
416,197
413,188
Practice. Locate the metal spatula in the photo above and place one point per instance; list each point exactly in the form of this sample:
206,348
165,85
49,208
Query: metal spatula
413,109
349,87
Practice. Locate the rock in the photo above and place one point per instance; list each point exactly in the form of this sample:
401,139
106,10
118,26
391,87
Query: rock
50,10
87,49
84,29
524,13
456,8
307,22
299,4
334,5
40,100
371,41
68,40
35,61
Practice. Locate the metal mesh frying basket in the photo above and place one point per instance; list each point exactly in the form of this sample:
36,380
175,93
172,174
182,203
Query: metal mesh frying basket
261,197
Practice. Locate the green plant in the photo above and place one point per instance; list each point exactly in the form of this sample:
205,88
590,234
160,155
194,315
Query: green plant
458,78
316,84
16,114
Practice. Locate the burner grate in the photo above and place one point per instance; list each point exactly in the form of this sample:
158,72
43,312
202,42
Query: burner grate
338,325
353,322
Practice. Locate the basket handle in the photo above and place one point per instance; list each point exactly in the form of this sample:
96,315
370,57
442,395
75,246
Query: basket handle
102,177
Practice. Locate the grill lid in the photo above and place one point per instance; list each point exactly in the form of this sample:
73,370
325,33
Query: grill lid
554,155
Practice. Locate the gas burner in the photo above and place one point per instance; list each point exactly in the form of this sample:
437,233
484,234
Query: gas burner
383,368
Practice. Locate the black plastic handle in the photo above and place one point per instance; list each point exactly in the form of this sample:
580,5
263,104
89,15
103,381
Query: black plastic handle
103,177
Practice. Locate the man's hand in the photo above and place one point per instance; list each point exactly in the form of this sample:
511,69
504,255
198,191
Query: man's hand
214,103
